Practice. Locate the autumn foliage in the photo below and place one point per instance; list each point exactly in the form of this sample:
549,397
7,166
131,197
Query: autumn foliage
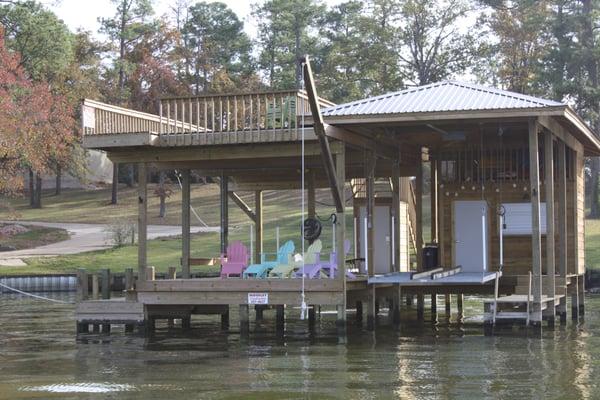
37,127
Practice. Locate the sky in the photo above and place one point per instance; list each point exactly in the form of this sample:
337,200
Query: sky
85,13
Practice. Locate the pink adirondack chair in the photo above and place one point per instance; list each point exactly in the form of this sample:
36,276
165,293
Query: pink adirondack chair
236,260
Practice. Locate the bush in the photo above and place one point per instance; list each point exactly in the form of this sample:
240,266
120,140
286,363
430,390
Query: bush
121,232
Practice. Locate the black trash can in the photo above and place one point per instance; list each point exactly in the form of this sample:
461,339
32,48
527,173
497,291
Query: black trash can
430,256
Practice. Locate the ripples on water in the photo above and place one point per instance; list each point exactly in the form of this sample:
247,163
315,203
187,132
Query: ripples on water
40,358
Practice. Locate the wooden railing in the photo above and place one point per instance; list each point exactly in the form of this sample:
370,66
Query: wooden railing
104,119
255,112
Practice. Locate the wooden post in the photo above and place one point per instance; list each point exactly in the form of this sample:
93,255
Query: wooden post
82,285
433,186
224,214
312,208
397,243
225,319
434,316
448,305
550,290
340,229
150,274
128,278
280,318
536,239
185,223
419,232
142,220
95,287
244,319
258,225
105,283
459,305
359,312
562,230
171,274
370,211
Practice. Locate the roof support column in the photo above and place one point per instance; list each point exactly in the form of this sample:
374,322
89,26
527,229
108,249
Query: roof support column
258,226
340,229
562,230
142,220
185,223
550,281
224,214
536,239
370,226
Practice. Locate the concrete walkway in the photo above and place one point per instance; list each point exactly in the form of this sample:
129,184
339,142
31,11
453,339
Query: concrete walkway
84,237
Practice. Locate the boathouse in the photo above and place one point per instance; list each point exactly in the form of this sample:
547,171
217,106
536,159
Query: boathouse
505,190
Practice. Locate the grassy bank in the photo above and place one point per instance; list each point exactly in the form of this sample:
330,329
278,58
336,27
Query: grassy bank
35,236
280,209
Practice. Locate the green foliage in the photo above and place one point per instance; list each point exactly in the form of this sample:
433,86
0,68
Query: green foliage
42,40
217,44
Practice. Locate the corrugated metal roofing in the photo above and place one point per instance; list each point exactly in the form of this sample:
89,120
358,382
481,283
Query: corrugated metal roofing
439,97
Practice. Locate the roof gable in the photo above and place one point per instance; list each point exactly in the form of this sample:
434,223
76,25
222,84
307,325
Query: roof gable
440,97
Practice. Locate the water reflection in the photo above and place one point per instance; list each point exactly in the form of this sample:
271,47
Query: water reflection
40,358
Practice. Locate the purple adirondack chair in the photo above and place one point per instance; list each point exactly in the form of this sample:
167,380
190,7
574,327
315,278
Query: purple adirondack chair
236,260
328,267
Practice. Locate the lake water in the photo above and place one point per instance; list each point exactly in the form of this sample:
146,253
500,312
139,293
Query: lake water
41,358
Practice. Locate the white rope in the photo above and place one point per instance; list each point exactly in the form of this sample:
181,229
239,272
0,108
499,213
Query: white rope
303,306
191,208
34,295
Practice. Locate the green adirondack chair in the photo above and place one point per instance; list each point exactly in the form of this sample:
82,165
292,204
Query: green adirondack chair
281,116
309,256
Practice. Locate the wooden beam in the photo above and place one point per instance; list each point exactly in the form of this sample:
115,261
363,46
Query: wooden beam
560,132
185,223
550,290
319,128
142,220
258,225
362,142
242,205
536,238
562,228
419,216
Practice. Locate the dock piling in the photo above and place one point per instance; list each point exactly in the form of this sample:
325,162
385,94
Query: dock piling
95,287
459,304
244,319
359,312
105,273
225,319
434,316
447,305
82,284
280,318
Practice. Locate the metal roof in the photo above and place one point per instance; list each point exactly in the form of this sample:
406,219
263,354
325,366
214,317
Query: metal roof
440,97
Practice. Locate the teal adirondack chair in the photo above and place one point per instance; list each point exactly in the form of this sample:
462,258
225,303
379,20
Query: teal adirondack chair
309,256
261,270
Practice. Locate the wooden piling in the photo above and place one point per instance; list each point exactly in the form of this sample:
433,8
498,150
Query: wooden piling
244,319
225,319
448,305
95,287
185,224
280,318
258,309
82,284
434,316
459,304
536,238
359,312
105,274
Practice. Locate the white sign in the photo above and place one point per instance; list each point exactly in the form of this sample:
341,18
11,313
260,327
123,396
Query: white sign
258,298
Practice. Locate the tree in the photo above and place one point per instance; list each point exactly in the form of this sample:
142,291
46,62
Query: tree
432,46
35,124
124,30
218,44
286,31
43,41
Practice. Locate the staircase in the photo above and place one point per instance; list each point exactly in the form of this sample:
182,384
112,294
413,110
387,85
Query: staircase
517,307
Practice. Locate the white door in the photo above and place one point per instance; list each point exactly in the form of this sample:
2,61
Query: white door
470,233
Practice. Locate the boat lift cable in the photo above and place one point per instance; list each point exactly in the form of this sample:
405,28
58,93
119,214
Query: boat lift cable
303,307
191,208
35,296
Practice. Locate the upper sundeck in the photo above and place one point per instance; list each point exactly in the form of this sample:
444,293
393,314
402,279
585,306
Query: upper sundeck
215,119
